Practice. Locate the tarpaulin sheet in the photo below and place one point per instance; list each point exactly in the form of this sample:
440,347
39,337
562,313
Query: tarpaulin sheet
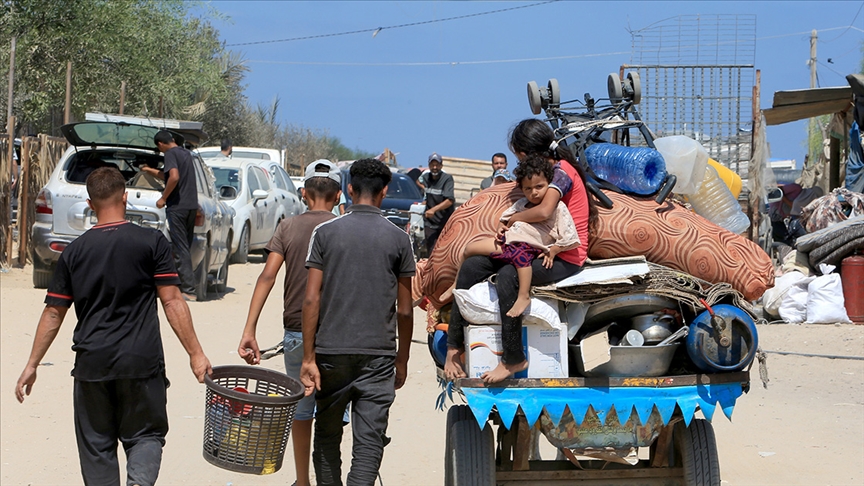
533,401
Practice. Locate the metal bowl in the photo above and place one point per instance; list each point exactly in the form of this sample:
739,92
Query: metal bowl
629,360
654,327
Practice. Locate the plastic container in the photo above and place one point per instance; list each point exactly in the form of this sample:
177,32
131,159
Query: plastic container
248,416
714,202
728,176
635,170
686,159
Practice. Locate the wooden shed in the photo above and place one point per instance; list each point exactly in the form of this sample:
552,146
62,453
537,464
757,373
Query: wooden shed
467,175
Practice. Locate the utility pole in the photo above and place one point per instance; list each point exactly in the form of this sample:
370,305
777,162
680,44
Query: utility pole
122,95
812,62
67,113
11,81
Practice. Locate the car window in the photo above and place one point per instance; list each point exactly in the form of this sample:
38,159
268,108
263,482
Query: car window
249,155
401,187
276,177
263,179
252,180
289,184
200,178
227,177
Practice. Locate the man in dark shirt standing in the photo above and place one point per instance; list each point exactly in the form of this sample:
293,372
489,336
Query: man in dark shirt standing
180,200
439,200
499,162
358,292
113,274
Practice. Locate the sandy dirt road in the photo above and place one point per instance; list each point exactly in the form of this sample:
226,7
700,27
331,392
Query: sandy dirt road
807,428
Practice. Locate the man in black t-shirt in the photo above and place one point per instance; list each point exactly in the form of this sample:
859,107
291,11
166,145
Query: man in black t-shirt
439,200
358,293
181,198
113,274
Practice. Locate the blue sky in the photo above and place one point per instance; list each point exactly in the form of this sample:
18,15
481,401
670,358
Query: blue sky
420,89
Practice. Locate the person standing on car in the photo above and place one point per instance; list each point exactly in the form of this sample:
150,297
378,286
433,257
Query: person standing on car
113,273
499,162
290,244
358,293
180,200
439,200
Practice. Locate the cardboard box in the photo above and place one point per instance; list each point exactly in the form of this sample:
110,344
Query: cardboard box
545,347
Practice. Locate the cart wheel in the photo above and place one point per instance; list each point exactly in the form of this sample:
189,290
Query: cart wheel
636,86
613,85
554,92
456,413
698,450
534,100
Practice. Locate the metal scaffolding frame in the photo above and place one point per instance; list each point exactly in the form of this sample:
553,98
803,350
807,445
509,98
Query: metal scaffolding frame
697,74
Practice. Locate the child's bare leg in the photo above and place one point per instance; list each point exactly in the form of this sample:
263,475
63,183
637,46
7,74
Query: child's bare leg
524,297
503,371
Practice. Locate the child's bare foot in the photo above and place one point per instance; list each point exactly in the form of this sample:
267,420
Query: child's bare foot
519,307
453,364
503,371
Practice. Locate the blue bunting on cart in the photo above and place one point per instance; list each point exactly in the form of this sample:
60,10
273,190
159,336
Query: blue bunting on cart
643,400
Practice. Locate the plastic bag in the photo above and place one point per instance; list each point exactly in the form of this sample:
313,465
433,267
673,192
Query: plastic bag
793,307
479,305
774,296
825,304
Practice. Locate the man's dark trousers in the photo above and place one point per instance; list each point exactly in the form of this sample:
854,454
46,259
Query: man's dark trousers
181,227
368,383
132,411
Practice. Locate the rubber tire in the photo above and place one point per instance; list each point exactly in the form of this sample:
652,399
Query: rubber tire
201,276
242,253
534,98
41,274
698,449
470,452
223,274
456,413
554,92
636,86
614,87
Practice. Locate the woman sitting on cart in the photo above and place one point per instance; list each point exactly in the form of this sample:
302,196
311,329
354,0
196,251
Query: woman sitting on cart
534,137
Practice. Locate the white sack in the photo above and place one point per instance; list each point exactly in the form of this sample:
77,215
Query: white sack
793,307
825,304
479,305
774,296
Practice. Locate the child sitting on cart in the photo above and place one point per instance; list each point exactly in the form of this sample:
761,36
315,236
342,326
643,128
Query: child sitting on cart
521,243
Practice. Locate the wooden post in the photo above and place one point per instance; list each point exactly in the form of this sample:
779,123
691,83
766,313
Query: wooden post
9,208
122,96
11,83
833,163
754,202
23,190
161,106
67,113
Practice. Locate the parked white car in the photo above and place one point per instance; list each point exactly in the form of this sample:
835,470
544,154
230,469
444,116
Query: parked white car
243,153
126,142
261,194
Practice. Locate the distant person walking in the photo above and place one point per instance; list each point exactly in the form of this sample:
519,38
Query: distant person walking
290,244
357,294
227,147
499,163
439,200
113,274
180,200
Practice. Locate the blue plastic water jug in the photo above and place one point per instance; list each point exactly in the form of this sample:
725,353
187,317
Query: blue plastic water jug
635,170
721,339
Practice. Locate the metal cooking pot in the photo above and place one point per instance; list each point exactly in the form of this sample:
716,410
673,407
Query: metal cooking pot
654,327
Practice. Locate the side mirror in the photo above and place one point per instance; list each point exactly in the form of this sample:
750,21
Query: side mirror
774,195
259,194
227,192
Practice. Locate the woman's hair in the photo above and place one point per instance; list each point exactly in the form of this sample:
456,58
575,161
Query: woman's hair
533,165
534,137
369,177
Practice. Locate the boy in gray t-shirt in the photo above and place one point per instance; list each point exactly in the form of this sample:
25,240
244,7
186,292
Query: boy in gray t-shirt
290,244
358,292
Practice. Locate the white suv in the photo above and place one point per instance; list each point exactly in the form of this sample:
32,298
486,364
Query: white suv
62,213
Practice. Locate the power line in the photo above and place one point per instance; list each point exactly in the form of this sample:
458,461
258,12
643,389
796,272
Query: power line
850,25
437,63
376,30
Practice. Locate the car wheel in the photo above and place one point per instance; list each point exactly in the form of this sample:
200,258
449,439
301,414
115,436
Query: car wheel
242,253
222,286
201,276
42,274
